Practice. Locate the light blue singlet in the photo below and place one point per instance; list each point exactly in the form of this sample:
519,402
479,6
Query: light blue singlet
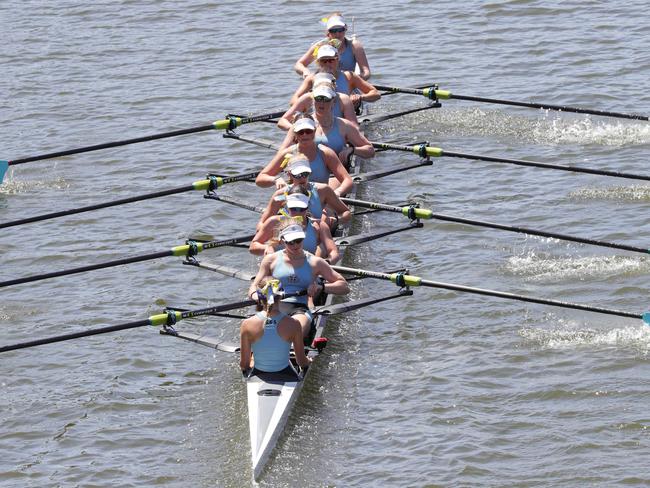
347,61
342,83
293,280
271,352
314,206
310,244
332,139
319,171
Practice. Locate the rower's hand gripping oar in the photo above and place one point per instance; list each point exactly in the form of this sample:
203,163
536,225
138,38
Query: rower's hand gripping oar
433,93
404,280
424,150
229,123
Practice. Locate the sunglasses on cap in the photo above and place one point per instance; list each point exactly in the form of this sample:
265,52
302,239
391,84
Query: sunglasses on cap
295,241
336,30
322,98
305,131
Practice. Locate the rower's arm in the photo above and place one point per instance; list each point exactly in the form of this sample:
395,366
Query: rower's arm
333,254
335,283
285,122
299,346
267,176
362,146
347,109
301,66
332,200
258,244
265,270
362,59
368,92
304,87
272,208
335,167
244,346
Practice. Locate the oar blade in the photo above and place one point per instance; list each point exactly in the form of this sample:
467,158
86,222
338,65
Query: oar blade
4,166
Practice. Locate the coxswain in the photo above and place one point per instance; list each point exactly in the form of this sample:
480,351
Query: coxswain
269,334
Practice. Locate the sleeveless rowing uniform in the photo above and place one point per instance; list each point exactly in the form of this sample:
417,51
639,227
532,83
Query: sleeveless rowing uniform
337,110
293,280
271,352
342,83
333,138
320,173
314,206
347,61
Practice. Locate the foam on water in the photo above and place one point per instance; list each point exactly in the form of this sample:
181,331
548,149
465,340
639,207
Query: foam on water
534,267
620,193
11,186
571,334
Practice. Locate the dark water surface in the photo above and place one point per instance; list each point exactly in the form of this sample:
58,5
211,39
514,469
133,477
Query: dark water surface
441,389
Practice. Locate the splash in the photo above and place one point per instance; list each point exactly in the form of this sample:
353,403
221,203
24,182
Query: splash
568,334
619,193
13,187
551,128
537,268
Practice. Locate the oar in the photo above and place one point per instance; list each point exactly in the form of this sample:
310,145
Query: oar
223,124
189,249
167,319
210,184
421,213
410,280
433,94
424,151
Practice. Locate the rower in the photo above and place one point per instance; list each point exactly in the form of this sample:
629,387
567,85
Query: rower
297,271
322,160
321,196
347,82
318,237
341,107
343,137
269,335
351,51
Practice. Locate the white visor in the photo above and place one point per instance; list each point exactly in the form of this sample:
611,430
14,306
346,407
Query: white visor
323,78
323,91
335,21
299,165
327,51
292,232
305,123
297,200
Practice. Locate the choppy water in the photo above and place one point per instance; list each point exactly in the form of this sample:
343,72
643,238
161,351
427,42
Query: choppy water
442,389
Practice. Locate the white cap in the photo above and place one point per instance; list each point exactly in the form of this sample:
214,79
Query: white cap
323,91
304,123
297,200
335,21
298,164
327,51
292,232
323,78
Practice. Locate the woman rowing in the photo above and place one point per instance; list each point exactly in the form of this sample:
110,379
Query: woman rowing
347,82
342,105
322,160
269,335
297,271
351,52
318,237
321,196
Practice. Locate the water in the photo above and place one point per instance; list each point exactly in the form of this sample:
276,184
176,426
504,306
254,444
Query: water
441,389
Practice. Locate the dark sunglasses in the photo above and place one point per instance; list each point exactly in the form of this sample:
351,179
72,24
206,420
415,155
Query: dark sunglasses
295,241
301,175
322,98
305,131
336,30
328,60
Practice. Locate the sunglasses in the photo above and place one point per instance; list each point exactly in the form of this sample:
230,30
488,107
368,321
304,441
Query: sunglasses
295,241
327,60
322,98
297,209
305,131
301,175
336,30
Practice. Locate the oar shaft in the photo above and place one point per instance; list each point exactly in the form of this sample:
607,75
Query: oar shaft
547,106
182,250
74,335
417,281
106,145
